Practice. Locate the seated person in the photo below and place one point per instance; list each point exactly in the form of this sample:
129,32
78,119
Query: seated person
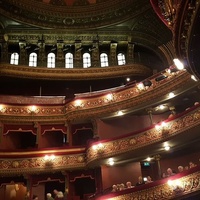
49,197
114,188
186,168
140,181
129,185
148,180
191,164
180,169
170,172
121,187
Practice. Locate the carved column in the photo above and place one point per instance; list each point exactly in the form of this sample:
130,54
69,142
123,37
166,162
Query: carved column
23,54
130,53
38,127
113,54
28,186
60,55
95,55
150,115
4,52
1,131
78,63
69,133
95,128
159,173
42,61
66,192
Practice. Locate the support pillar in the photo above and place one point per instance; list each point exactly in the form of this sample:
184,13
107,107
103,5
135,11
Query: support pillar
78,63
130,53
159,172
113,54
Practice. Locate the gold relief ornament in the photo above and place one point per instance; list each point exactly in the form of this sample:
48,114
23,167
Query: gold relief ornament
15,164
80,159
133,141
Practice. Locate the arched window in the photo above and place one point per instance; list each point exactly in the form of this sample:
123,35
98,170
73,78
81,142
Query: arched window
14,59
68,60
33,60
121,59
104,60
51,59
86,60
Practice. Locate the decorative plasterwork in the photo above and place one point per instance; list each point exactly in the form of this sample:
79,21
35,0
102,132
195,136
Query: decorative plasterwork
182,31
148,137
101,105
31,165
34,161
90,16
74,74
189,184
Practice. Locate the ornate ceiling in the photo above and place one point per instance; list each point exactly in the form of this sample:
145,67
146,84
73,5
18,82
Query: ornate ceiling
128,20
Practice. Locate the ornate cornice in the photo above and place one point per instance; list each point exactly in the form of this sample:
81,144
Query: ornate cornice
74,74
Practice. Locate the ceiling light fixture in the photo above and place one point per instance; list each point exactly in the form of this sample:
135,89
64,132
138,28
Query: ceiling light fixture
171,95
148,159
178,64
120,113
194,78
111,161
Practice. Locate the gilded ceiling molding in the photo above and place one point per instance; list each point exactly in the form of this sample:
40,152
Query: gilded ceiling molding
187,184
69,37
151,136
168,51
99,104
90,16
74,74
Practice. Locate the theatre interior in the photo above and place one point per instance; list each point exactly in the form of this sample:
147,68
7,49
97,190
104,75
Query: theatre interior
98,93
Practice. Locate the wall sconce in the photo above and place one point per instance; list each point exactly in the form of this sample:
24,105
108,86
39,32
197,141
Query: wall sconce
176,185
33,109
140,87
111,161
194,78
162,127
178,64
171,95
78,103
99,148
166,146
120,113
109,97
49,159
2,108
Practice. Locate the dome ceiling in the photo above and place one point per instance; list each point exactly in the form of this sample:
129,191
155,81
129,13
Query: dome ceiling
73,13
128,20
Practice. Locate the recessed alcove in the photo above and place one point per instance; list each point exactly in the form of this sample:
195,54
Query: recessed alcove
82,136
20,140
84,187
54,138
